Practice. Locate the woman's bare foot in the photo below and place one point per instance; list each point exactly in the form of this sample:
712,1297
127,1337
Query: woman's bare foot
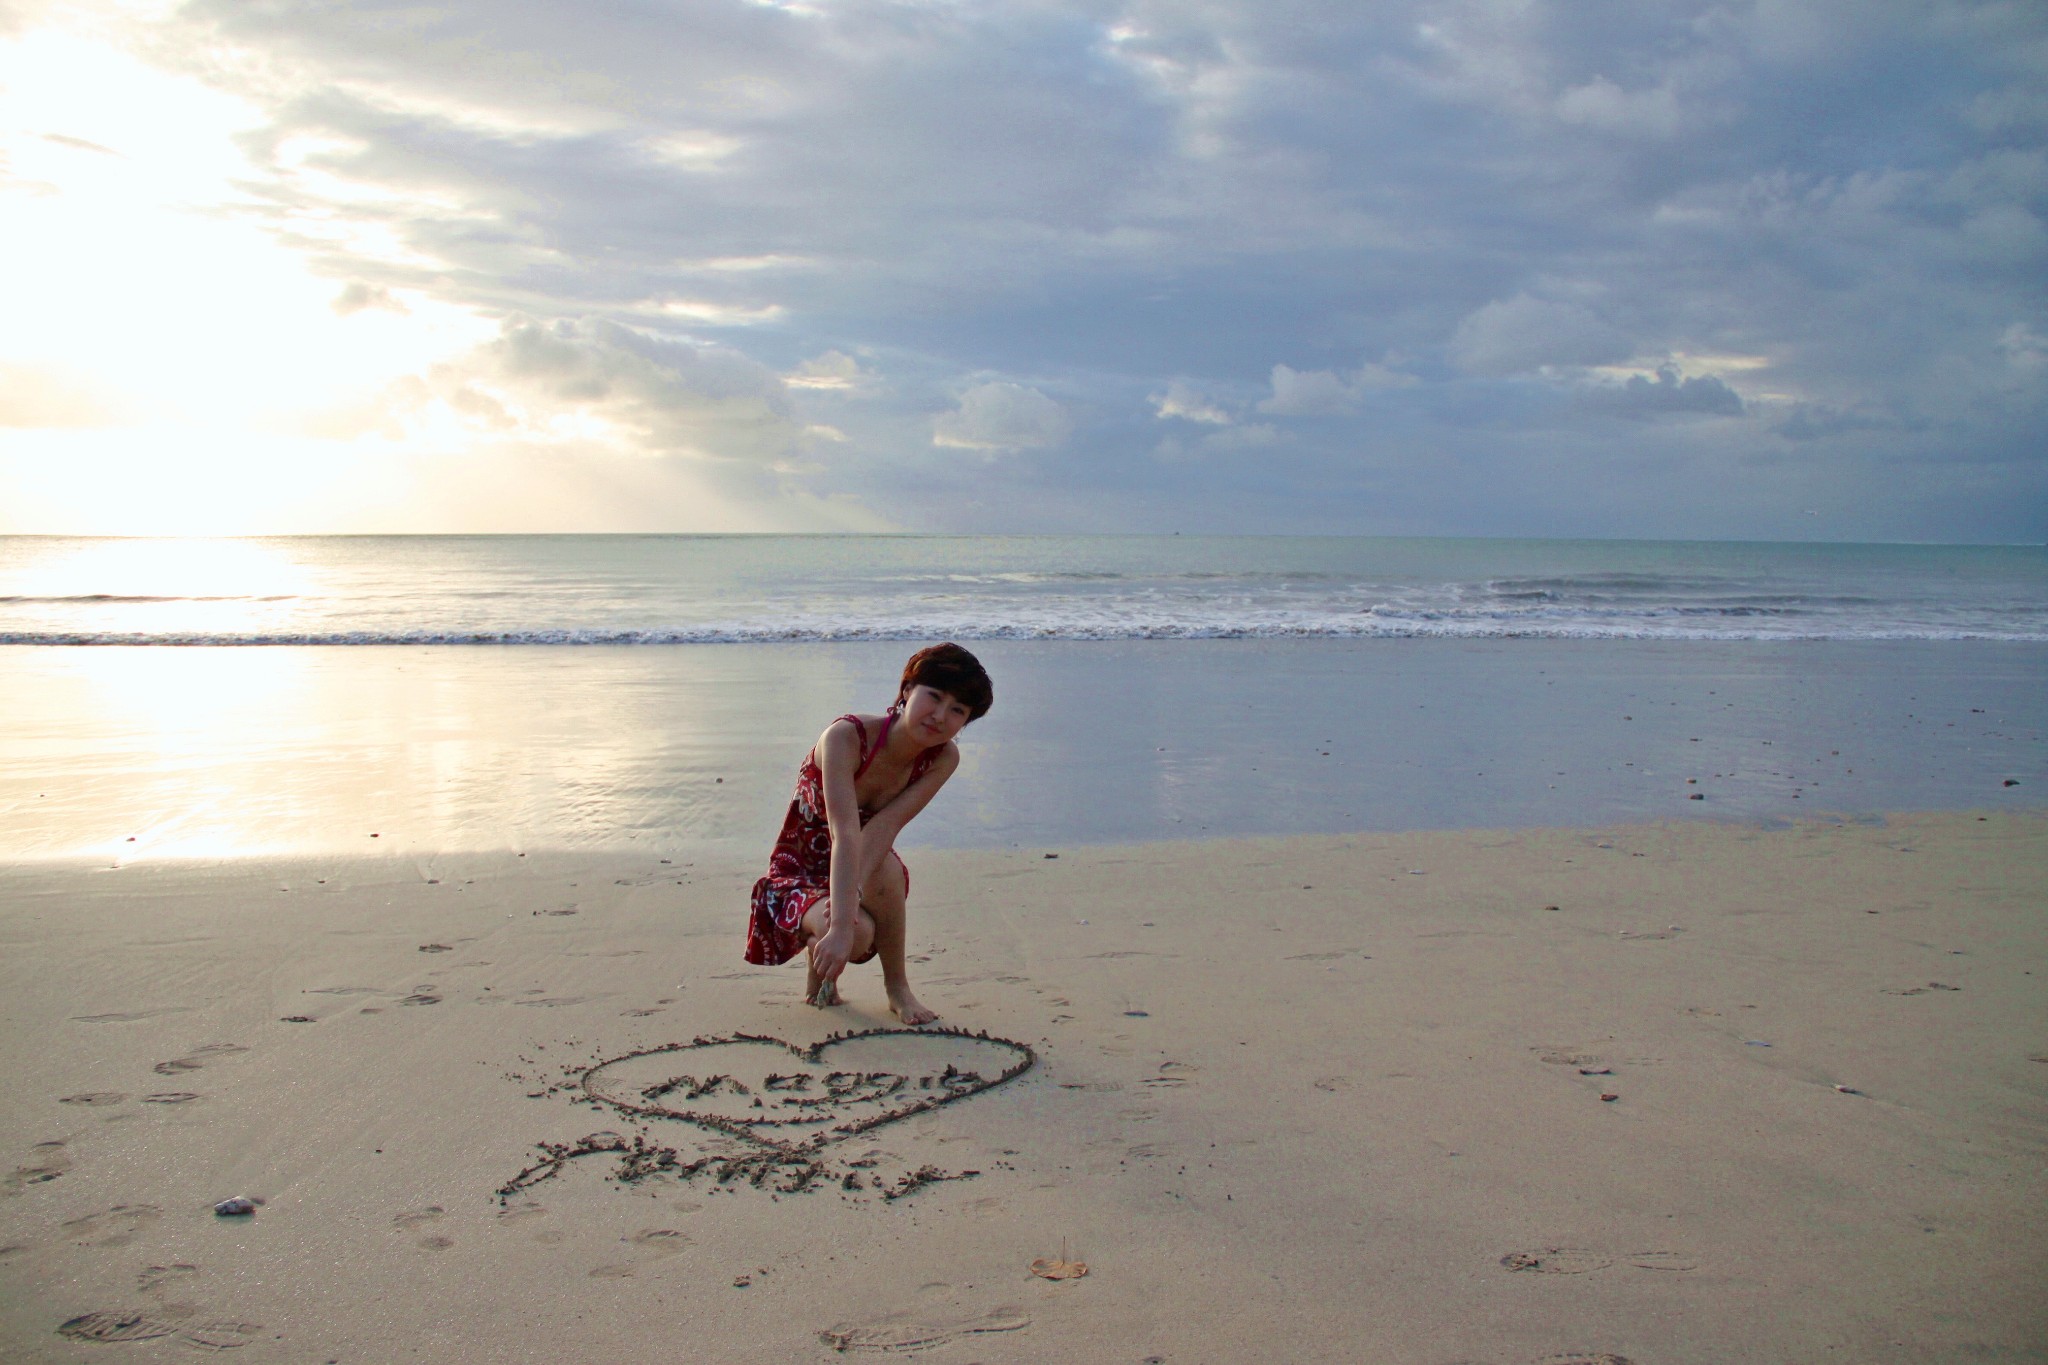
907,1008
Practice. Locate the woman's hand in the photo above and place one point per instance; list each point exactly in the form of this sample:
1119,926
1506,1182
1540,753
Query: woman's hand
829,955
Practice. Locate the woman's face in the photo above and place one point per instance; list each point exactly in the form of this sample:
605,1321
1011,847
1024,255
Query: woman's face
932,716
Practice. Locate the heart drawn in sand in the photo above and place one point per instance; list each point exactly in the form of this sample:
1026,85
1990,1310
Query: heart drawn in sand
800,1098
776,1106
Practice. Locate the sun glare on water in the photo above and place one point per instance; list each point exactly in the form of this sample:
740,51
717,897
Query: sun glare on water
190,590
161,752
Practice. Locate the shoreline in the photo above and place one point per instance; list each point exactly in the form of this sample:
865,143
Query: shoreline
1322,1096
731,859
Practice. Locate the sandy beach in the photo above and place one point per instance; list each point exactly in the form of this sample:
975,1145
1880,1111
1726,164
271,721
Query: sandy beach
1666,1093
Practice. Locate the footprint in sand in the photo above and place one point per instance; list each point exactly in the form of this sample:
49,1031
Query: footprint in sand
660,1241
1172,1075
118,1326
220,1336
420,1218
902,1332
160,1280
92,1099
116,1227
196,1058
654,1243
115,1327
47,1161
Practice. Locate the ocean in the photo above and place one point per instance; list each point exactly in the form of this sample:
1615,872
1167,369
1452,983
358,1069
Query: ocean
204,699
675,590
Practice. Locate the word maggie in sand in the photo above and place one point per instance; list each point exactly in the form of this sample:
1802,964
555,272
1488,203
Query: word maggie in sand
770,1109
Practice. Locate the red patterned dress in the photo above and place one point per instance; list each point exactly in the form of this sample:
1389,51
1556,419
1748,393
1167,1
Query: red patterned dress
800,868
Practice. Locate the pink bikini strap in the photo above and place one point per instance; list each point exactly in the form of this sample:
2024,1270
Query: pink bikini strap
880,740
867,755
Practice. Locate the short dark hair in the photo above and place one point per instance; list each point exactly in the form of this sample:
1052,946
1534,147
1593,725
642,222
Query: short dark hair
950,669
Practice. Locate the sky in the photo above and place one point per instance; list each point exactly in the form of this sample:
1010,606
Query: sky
1755,269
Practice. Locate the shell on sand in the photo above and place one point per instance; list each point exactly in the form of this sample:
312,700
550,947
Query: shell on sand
1060,1268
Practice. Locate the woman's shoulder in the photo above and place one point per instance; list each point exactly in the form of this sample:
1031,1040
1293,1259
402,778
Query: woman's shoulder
856,723
852,732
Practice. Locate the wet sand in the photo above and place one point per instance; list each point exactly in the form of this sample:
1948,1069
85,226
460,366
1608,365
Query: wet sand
1326,1098
203,752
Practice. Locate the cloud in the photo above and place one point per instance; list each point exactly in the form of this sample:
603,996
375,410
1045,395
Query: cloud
1819,422
1668,394
760,219
1235,440
1002,416
46,398
2009,108
1520,334
832,370
1325,393
2026,350
1308,393
585,385
1183,400
1603,105
82,144
356,296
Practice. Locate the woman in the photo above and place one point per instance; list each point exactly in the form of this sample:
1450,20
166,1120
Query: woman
835,886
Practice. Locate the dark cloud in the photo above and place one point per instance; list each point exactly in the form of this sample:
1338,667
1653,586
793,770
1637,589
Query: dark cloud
1667,394
1058,224
1819,422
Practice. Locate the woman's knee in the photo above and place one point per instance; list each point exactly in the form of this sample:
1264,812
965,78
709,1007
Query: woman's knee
863,938
887,887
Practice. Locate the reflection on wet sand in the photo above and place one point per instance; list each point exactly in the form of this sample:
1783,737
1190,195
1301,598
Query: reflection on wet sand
213,751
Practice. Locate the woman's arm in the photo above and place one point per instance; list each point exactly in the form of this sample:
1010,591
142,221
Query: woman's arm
838,759
888,822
